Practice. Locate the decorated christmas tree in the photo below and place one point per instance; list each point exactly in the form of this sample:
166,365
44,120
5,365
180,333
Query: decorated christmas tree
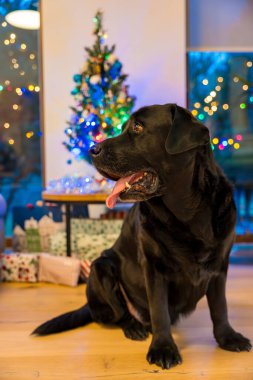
102,102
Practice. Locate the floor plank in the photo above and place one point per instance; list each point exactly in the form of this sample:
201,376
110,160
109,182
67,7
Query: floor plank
95,352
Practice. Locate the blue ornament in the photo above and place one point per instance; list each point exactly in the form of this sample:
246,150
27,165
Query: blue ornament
75,91
69,162
115,69
77,78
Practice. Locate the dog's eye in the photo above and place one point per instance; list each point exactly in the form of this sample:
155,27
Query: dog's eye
137,128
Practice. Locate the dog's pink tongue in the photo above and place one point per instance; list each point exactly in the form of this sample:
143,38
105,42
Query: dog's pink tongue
119,186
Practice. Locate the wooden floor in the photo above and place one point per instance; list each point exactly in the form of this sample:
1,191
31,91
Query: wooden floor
95,352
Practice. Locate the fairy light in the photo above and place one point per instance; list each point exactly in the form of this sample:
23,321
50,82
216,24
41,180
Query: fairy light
12,36
31,87
32,56
215,141
242,106
15,107
236,145
205,82
37,89
194,112
4,24
206,108
29,134
6,125
213,93
201,116
236,79
225,106
220,79
245,87
221,147
218,88
214,108
6,42
11,141
230,141
23,46
238,137
197,105
249,64
210,113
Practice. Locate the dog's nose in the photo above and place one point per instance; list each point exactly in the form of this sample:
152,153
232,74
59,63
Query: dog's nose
95,150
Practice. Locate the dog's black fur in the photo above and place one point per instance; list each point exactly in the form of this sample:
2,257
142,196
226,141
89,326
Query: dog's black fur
175,242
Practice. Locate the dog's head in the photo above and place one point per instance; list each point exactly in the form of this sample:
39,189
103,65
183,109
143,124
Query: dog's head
140,159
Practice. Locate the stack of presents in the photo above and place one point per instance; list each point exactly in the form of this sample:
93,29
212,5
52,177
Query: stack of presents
39,250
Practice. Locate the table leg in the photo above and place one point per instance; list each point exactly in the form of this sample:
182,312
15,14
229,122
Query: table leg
68,229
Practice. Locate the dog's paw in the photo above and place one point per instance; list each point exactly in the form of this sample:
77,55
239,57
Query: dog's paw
234,341
135,330
165,356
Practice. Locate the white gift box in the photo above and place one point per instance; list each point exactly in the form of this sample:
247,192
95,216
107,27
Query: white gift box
59,270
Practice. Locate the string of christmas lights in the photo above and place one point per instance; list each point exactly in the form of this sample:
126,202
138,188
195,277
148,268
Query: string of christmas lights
211,90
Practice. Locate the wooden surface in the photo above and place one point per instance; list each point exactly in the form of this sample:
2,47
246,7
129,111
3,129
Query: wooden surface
95,352
90,198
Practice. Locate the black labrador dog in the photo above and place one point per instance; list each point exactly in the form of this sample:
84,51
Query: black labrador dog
175,242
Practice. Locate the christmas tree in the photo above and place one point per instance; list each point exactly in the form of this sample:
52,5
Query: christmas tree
102,102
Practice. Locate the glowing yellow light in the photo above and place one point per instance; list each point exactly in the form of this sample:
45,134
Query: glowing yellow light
245,87
11,141
205,82
22,72
23,46
31,87
214,108
206,108
236,79
210,113
225,106
81,120
4,24
13,36
215,141
194,112
214,104
15,107
6,42
236,145
197,105
14,60
230,141
6,125
213,93
218,88
32,56
29,134
104,125
7,82
16,65
12,41
18,90
208,99
220,79
249,64
37,89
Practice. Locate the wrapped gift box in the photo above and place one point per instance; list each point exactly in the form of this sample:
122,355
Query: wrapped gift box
59,270
19,267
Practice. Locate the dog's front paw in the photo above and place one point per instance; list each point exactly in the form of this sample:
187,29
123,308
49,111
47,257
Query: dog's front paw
165,356
135,330
233,341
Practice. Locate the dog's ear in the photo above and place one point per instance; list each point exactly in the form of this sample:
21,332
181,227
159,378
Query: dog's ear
186,132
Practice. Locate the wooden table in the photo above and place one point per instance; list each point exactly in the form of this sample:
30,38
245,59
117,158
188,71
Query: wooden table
68,200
